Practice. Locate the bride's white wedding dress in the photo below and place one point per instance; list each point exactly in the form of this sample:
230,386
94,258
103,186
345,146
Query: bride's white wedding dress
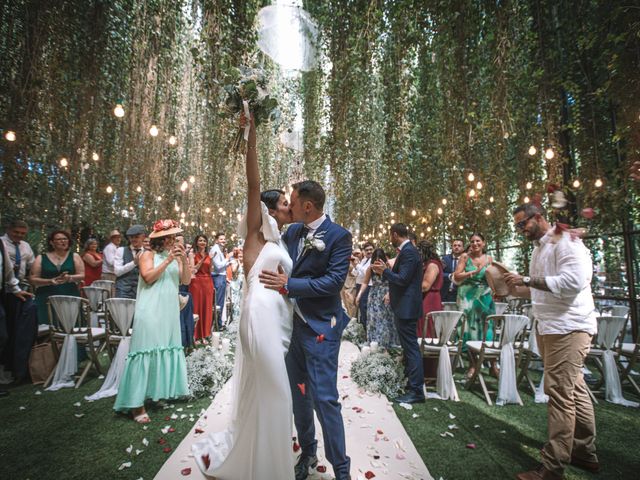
257,444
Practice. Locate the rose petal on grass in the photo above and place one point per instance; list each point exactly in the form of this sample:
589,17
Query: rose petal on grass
38,392
78,415
138,452
472,446
415,415
77,404
129,449
124,465
166,449
145,442
452,416
406,406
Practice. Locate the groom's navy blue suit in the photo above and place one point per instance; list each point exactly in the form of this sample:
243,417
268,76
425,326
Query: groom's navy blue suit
312,361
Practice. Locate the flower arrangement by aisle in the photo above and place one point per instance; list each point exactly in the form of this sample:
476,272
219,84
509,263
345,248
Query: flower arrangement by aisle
378,372
208,370
354,333
247,93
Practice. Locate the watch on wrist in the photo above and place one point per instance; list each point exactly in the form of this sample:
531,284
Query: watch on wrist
526,281
284,290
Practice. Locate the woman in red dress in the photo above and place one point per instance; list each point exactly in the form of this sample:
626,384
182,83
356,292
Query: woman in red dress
431,300
201,287
92,262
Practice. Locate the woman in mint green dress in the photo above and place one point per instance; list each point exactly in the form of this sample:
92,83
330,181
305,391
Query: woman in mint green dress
156,367
474,294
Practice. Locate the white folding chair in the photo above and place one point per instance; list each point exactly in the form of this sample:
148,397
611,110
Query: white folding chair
501,348
96,297
444,346
70,325
501,308
449,306
108,285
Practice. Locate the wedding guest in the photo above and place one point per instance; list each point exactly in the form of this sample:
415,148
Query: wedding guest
380,320
201,287
156,367
348,292
56,272
475,298
559,287
431,301
146,245
126,263
92,262
219,272
109,256
449,291
405,281
21,314
187,321
235,286
361,270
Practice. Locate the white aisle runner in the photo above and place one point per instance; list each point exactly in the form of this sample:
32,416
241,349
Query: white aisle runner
376,440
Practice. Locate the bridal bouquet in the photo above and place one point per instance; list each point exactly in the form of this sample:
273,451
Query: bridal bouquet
378,372
247,94
207,371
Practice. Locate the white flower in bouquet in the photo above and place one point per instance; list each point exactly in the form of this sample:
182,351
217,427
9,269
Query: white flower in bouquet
378,372
354,333
207,371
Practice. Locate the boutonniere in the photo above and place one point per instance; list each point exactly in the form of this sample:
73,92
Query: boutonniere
314,242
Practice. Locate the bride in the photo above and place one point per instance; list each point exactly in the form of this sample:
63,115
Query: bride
257,444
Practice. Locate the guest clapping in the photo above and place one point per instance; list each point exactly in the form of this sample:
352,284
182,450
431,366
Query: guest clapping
92,262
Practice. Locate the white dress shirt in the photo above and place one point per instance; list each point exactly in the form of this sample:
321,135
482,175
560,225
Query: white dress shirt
26,255
119,267
11,283
313,226
220,263
108,258
361,270
565,264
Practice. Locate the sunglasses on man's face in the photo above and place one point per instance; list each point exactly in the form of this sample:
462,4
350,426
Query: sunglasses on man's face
523,223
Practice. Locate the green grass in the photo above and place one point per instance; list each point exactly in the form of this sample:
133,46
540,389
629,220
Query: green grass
509,438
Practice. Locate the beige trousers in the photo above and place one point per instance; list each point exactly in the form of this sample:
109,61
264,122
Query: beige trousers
109,276
571,422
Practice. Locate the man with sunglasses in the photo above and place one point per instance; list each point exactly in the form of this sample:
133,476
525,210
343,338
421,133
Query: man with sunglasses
559,286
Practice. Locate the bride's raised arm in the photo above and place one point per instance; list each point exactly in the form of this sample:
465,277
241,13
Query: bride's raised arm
253,242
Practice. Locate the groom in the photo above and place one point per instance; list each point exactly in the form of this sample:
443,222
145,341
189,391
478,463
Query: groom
320,250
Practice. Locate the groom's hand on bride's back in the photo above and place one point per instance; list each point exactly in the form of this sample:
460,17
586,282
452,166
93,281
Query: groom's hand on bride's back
274,280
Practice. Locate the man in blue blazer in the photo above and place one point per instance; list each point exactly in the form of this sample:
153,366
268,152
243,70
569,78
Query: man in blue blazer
449,290
405,292
320,250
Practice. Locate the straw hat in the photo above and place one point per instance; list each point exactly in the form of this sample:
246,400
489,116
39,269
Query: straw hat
162,228
114,233
495,273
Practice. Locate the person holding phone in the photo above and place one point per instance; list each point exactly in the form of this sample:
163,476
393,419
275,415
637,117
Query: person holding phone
56,272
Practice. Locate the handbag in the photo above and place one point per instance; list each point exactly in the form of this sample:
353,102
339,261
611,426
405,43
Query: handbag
42,361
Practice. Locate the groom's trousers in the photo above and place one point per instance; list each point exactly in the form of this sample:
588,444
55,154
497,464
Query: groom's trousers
413,368
312,365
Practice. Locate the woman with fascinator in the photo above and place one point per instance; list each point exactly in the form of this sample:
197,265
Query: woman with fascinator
257,444
156,367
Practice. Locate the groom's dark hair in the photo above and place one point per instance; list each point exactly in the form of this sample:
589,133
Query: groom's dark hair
311,191
400,229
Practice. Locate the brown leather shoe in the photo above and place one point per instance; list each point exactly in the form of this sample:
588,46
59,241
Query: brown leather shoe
539,473
593,467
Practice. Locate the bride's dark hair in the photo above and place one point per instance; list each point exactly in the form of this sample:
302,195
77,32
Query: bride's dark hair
270,198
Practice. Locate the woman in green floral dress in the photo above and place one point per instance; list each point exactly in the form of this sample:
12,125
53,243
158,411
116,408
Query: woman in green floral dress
474,294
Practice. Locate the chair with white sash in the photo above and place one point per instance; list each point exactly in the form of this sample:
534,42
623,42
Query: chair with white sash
69,322
449,306
501,308
119,319
446,346
604,350
96,297
506,329
108,285
528,352
631,353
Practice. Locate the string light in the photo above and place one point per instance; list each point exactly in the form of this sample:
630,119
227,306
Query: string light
598,183
184,186
138,189
526,199
172,140
428,229
109,189
193,223
532,150
192,179
220,210
207,210
393,214
182,215
421,234
10,136
576,183
176,208
95,156
444,201
528,186
487,212
159,198
450,223
153,131
461,227
413,213
439,211
471,177
491,199
549,154
118,111
64,163
479,185
472,193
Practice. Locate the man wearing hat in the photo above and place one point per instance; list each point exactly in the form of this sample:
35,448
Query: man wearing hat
126,263
109,255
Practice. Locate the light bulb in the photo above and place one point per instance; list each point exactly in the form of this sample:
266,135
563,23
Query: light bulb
450,223
528,186
472,193
118,111
439,211
393,214
64,162
182,215
421,234
138,189
153,131
598,183
207,210
576,183
192,179
413,213
526,199
487,212
184,186
10,136
176,208
95,156
428,229
532,150
172,140
491,199
444,201
206,225
109,189
479,185
461,227
471,177
159,197
549,154
193,223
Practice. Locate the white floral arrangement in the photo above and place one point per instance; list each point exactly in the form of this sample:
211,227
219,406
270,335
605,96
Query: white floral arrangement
208,370
378,372
354,333
314,242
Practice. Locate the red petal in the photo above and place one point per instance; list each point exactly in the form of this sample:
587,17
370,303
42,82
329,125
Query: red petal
376,457
167,418
166,449
206,460
345,376
171,430
162,441
302,388
552,187
471,445
380,432
321,468
369,474
296,447
185,471
320,338
199,430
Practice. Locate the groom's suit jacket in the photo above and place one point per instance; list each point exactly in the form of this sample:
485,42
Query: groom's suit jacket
318,276
405,283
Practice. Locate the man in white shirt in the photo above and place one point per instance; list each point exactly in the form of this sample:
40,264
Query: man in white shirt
125,263
559,286
21,314
360,271
219,263
109,256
